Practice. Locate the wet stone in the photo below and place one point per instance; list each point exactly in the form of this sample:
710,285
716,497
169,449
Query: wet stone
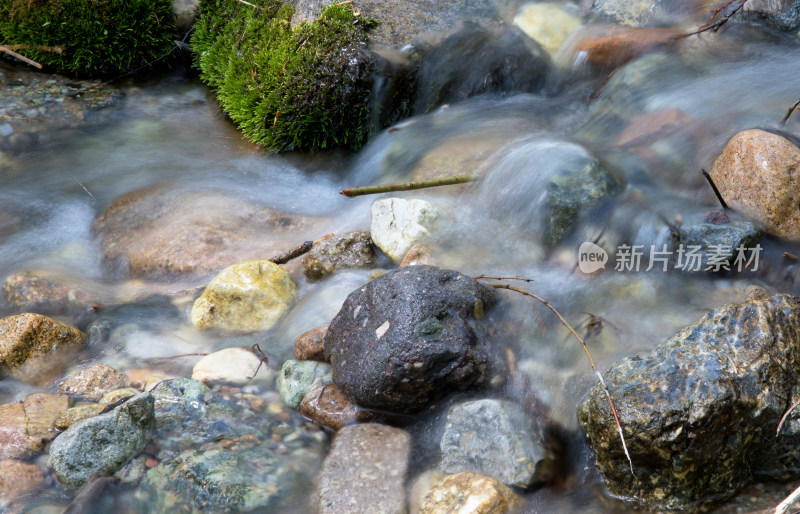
118,395
25,427
45,293
342,251
78,413
236,366
365,470
35,349
93,382
396,224
296,379
310,345
327,406
17,479
469,493
715,244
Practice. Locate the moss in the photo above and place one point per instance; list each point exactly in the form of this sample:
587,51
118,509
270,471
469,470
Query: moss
303,87
99,37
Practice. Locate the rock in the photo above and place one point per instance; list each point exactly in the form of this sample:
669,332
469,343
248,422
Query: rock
246,297
756,174
468,493
497,439
609,48
35,349
217,479
26,426
93,382
232,366
699,412
78,413
18,479
715,245
146,379
351,250
456,155
410,337
161,230
310,345
49,293
781,14
547,23
328,407
653,126
296,378
650,12
117,395
418,255
365,470
103,443
397,224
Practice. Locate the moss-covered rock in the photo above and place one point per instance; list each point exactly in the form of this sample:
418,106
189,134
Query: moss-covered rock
95,37
302,87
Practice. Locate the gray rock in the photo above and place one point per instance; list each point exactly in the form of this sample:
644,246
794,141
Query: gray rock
351,250
103,443
365,471
699,413
781,14
716,244
296,378
497,439
410,337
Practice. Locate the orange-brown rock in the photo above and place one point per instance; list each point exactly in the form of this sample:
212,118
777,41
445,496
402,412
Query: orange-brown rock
310,345
612,48
93,382
758,174
18,478
26,426
35,348
469,493
329,407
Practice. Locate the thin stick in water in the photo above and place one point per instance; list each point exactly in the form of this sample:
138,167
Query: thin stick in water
789,113
714,187
408,186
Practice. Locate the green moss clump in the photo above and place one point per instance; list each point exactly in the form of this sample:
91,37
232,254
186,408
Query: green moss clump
99,37
304,87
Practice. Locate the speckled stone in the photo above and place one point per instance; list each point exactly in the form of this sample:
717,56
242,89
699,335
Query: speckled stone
78,413
327,406
469,493
350,250
310,345
365,471
296,379
25,427
758,175
18,478
116,395
93,382
35,348
418,255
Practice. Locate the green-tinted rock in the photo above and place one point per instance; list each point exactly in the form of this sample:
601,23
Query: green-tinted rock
96,38
246,297
296,378
103,443
700,412
302,87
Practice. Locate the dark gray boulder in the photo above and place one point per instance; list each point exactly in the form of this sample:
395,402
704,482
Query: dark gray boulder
410,337
103,443
700,412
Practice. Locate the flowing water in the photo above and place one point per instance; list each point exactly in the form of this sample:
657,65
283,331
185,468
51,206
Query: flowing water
170,130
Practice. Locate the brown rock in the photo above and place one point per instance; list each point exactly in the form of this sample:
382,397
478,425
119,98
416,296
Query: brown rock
146,379
365,470
758,175
611,48
329,407
78,413
93,382
41,412
160,230
646,128
18,478
13,431
418,255
469,493
310,345
351,250
35,349
47,292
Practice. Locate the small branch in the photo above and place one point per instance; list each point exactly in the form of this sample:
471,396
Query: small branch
298,251
785,504
586,351
716,26
408,186
6,117
248,3
22,58
786,415
789,113
55,49
502,278
714,187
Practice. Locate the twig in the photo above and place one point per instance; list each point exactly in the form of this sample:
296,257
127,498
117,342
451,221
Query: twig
56,49
586,351
789,112
7,117
714,187
22,58
785,415
248,3
285,257
716,26
502,278
408,186
785,504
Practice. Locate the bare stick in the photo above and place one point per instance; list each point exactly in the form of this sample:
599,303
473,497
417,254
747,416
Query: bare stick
586,351
716,26
789,112
248,3
41,48
785,415
408,186
714,187
22,58
785,504
7,117
502,278
298,251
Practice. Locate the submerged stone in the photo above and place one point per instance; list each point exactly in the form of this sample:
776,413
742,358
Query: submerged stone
700,412
468,493
297,377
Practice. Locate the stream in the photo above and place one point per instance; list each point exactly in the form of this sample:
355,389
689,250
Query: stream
167,131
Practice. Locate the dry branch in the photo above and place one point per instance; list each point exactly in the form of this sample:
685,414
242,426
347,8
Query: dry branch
714,187
22,58
719,23
586,351
408,186
789,112
285,257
